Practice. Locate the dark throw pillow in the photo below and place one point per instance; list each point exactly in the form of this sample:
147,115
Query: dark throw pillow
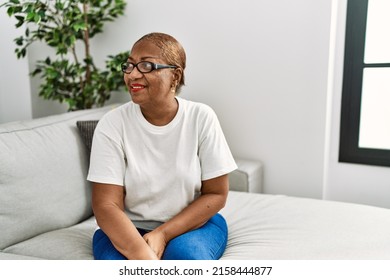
87,128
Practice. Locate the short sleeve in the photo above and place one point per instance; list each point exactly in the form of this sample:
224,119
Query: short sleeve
107,161
215,156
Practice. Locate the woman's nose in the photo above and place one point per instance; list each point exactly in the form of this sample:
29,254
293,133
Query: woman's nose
135,74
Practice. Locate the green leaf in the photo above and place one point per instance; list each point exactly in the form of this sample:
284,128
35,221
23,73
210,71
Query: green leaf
51,73
19,23
20,18
71,40
22,53
19,41
10,11
37,18
79,25
59,5
30,16
36,72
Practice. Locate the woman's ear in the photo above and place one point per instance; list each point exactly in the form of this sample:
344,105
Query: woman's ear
177,80
177,74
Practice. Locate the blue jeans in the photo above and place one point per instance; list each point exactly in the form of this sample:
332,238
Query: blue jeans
205,243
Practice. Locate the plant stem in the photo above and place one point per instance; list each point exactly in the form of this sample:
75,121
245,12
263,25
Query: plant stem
86,42
76,60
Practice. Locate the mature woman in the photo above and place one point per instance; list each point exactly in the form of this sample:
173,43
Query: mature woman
159,165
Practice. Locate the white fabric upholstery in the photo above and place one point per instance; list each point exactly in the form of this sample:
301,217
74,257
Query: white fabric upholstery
261,227
248,177
272,227
45,209
42,176
74,243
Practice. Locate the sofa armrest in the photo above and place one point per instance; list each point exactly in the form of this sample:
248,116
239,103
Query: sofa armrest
248,177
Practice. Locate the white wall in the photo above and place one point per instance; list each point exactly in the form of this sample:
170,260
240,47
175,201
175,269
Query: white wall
344,181
15,100
262,67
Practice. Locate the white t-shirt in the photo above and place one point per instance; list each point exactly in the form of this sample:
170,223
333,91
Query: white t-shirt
161,167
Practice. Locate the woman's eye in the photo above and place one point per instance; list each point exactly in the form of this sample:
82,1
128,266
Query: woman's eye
146,66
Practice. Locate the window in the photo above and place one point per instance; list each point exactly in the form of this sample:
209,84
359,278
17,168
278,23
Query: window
365,107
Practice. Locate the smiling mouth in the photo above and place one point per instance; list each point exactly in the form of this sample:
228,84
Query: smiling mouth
136,87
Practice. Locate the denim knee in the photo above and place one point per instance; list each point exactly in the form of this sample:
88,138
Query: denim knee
205,243
103,249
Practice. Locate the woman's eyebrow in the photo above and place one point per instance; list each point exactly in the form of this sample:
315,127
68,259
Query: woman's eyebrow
142,58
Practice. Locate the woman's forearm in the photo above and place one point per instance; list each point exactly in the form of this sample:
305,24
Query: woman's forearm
123,234
193,216
108,208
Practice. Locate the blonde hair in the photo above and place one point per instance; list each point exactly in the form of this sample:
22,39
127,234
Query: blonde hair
171,51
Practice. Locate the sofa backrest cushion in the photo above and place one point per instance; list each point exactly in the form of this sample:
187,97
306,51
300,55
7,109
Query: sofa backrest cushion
43,169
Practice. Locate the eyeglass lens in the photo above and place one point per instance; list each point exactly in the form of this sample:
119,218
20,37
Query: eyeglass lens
143,67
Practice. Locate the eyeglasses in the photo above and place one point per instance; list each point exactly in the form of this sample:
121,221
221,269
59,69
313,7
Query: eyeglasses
143,67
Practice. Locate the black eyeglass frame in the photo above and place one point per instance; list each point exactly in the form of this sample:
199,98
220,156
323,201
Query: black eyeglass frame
155,66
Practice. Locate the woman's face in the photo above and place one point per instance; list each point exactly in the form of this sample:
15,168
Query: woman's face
153,87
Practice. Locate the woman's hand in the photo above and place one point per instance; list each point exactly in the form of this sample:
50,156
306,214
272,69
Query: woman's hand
212,199
156,240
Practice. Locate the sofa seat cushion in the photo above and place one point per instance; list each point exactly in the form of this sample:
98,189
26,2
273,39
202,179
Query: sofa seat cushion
6,256
72,243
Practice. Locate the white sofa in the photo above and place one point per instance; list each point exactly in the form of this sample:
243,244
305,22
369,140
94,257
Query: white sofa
45,207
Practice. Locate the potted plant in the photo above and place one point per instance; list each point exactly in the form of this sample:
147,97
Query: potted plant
71,76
